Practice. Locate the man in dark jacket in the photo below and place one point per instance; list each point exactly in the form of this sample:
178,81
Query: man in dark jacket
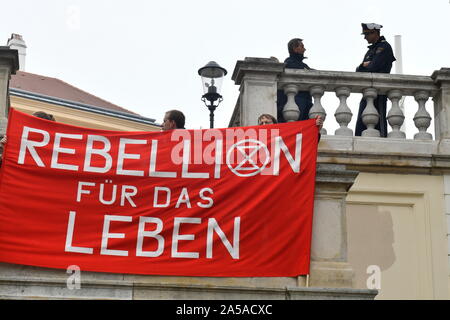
379,59
303,99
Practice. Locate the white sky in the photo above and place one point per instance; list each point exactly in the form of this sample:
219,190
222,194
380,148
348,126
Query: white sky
144,55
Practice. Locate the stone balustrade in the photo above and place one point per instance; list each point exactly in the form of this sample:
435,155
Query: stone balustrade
370,85
260,79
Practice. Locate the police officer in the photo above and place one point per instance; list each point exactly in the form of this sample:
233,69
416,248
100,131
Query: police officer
378,59
303,99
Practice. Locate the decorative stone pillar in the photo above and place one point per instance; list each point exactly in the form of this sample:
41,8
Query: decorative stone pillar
370,115
317,109
329,262
422,118
291,111
257,78
442,103
343,113
395,115
9,64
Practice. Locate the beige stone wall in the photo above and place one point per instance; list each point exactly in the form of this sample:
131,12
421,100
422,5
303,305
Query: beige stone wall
398,223
78,117
447,216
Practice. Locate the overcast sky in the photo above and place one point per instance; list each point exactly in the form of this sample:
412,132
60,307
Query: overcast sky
144,55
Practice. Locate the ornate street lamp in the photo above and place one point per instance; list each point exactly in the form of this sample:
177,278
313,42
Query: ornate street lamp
212,75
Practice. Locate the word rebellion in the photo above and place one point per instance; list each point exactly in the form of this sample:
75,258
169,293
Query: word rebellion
129,157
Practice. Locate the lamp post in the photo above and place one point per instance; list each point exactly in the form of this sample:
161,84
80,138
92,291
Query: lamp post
212,75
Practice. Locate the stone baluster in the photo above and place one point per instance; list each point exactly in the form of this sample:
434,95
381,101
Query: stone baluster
343,113
422,118
395,116
291,111
370,115
317,109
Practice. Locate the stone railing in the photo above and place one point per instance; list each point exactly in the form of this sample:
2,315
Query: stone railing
370,85
259,80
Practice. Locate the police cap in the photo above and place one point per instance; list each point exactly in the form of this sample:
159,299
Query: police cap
369,27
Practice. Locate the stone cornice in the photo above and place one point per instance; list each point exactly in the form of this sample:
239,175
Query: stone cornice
11,57
441,76
261,66
386,155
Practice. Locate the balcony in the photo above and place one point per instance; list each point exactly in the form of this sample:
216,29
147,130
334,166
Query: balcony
259,79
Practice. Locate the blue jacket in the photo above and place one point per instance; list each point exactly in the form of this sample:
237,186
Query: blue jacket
295,61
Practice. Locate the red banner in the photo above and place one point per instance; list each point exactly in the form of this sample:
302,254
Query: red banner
234,202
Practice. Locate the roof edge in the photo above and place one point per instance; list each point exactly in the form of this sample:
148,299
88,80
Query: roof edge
19,72
81,106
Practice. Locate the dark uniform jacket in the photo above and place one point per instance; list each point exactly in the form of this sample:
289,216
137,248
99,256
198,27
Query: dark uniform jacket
381,58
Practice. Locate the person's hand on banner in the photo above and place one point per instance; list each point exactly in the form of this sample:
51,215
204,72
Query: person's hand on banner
319,122
2,148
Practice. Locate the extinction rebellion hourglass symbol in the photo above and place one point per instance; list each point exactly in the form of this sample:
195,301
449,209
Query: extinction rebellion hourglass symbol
248,155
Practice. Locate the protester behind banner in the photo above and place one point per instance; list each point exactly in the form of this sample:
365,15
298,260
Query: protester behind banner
269,119
266,119
39,114
173,119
